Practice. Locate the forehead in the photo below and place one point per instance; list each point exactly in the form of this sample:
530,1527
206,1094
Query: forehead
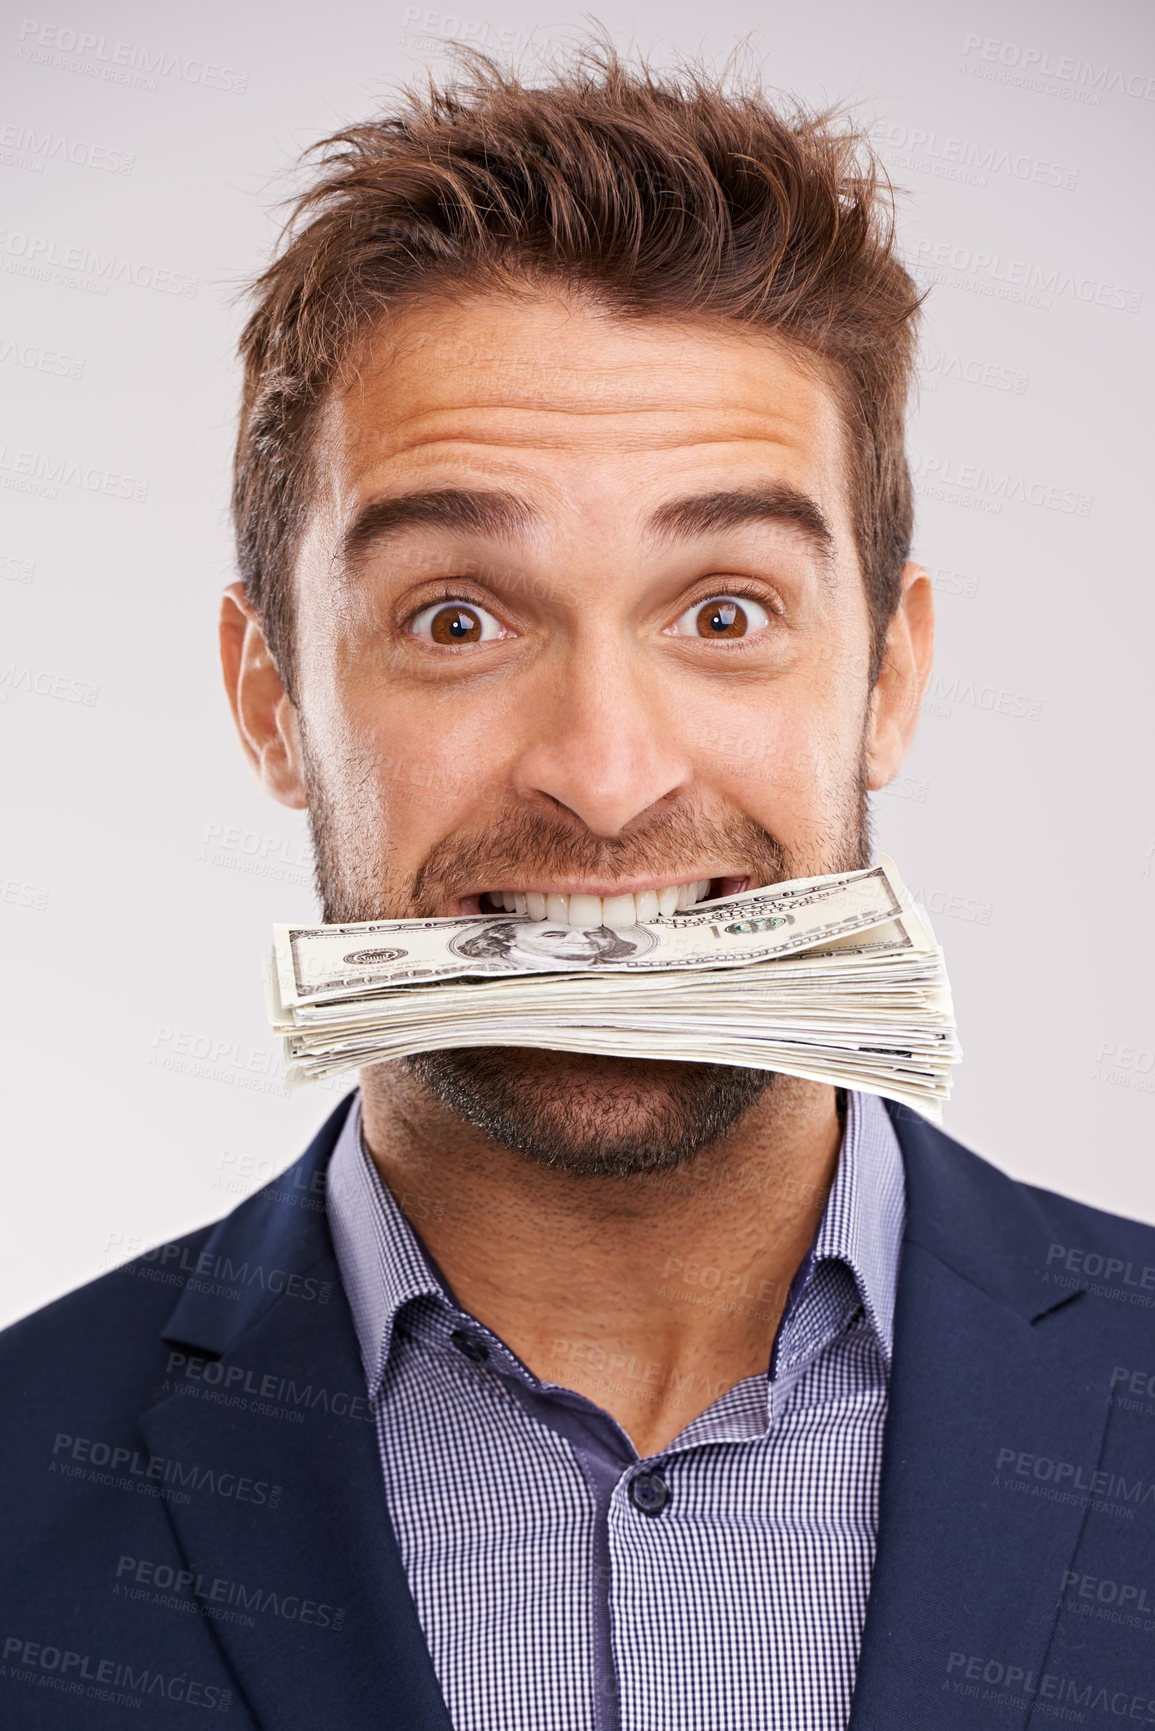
563,388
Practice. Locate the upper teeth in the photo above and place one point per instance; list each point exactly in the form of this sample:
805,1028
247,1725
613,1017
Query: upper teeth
592,911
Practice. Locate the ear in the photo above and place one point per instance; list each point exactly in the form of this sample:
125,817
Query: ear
898,693
263,711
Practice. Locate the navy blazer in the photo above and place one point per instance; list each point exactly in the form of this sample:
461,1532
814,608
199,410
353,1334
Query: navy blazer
195,1528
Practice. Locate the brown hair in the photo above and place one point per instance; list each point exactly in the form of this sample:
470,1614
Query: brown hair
661,198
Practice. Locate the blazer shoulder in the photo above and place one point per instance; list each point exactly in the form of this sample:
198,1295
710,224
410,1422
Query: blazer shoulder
956,1169
106,1336
104,1322
1015,1239
1085,1231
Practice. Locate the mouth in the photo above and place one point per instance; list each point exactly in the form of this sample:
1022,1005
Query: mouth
613,905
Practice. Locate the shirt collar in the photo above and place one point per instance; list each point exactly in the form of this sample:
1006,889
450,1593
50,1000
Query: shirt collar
865,1214
384,1264
382,1261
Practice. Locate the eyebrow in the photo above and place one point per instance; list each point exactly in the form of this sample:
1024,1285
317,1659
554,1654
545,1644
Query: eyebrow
773,501
499,515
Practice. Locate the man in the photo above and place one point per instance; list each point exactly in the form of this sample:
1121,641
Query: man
548,1390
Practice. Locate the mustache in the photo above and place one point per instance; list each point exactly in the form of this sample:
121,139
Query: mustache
526,844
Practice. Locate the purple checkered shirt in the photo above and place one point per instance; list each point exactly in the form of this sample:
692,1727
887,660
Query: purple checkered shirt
565,1584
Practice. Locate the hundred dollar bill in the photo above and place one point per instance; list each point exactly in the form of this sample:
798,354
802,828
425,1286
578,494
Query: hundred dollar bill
835,979
316,963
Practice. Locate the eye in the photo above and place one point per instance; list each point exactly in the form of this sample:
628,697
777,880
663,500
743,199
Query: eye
722,616
455,622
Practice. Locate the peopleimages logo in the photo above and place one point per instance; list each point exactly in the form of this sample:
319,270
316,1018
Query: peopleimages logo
937,153
70,50
222,1271
942,694
43,474
1015,279
936,363
35,359
1039,64
128,1468
979,1677
188,1589
42,682
116,1682
994,487
25,147
47,260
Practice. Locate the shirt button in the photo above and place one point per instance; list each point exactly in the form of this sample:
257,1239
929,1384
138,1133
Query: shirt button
649,1493
469,1346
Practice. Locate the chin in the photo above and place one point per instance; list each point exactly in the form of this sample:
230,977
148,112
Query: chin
588,1115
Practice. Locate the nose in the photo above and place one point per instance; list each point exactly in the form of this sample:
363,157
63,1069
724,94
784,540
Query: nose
603,744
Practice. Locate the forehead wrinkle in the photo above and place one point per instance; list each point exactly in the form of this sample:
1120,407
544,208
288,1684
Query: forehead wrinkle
683,424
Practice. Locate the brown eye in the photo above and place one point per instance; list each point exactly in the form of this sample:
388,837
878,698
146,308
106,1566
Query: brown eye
722,617
455,625
451,623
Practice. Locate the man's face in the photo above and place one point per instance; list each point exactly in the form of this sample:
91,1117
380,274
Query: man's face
579,613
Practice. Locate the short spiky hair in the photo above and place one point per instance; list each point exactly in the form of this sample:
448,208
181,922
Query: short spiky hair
662,196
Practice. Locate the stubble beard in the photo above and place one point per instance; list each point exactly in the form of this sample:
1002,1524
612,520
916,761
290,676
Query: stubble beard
577,1113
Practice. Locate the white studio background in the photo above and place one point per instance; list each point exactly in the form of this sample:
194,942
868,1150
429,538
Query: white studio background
141,869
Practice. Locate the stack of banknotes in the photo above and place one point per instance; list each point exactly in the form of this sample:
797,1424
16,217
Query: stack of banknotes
837,979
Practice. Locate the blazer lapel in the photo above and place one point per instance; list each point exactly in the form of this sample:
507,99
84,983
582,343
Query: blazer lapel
991,1374
272,1477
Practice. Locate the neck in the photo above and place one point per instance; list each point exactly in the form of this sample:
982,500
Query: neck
651,1294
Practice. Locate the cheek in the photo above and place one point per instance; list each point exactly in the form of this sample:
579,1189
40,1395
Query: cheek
786,752
415,765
